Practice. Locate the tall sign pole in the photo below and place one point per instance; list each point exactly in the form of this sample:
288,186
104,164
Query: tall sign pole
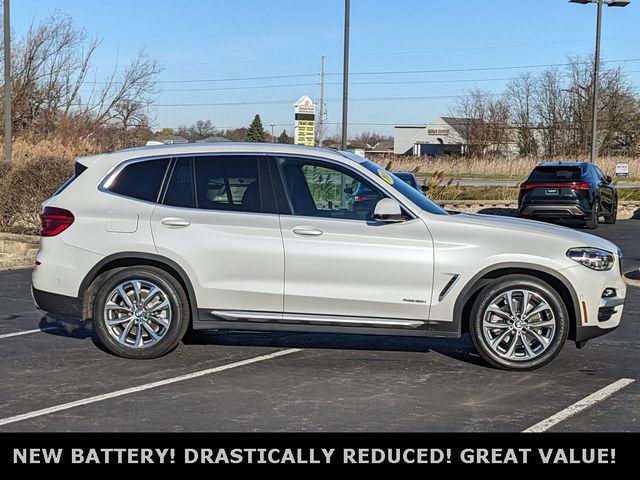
7,83
345,75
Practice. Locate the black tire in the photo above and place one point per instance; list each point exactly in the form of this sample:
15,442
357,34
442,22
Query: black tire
612,218
592,223
541,352
169,333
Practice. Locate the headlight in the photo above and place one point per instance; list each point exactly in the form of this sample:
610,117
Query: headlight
593,258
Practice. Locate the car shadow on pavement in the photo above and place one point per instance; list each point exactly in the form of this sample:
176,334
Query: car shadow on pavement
66,327
457,348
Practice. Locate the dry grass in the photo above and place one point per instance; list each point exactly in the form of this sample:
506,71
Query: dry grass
515,168
24,150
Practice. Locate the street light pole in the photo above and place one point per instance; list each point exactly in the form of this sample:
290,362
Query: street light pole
594,99
345,75
596,69
7,83
272,137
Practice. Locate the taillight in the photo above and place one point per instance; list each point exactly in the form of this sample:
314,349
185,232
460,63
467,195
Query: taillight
54,221
575,185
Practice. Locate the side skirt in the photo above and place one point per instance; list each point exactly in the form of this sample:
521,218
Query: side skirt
272,321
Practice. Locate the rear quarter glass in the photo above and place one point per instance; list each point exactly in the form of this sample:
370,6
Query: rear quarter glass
78,168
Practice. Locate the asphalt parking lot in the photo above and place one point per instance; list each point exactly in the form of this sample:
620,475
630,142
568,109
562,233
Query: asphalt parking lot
54,378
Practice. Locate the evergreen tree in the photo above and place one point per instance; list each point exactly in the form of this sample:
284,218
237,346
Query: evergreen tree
256,133
284,138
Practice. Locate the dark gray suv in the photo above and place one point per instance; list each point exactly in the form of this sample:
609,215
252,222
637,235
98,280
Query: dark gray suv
560,190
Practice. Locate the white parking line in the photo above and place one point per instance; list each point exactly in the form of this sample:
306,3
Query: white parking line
27,332
147,386
580,405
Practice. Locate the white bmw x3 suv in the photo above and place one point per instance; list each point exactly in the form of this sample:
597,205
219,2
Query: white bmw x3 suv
152,241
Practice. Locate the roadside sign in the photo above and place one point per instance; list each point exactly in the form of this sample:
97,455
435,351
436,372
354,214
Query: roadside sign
622,169
305,111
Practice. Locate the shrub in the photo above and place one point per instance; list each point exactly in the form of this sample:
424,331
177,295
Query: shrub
24,186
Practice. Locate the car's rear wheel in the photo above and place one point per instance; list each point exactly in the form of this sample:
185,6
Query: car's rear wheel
518,322
613,215
140,312
592,223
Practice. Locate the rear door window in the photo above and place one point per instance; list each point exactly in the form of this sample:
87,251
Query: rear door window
140,180
228,183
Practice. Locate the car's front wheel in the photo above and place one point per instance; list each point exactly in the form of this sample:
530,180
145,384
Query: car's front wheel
140,312
518,322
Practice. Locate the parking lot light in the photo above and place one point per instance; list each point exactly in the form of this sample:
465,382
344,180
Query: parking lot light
596,67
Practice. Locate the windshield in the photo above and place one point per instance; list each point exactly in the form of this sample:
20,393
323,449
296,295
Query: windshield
405,189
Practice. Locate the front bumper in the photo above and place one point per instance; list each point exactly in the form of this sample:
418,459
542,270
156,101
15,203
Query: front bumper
596,315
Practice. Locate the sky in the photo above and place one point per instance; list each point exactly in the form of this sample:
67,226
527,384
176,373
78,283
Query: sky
211,52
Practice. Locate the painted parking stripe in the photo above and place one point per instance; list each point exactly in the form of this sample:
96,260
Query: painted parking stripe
27,332
579,406
146,386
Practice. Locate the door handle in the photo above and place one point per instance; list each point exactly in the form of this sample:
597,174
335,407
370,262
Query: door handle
174,222
307,231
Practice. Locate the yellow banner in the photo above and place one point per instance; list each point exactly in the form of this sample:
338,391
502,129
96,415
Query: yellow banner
305,133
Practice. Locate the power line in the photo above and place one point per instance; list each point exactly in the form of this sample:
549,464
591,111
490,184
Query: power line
331,100
481,69
399,82
249,87
391,72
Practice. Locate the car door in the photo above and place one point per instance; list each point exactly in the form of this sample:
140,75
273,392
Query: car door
214,221
338,260
605,190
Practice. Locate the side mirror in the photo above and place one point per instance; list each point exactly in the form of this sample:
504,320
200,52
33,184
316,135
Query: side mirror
348,191
388,211
609,179
424,188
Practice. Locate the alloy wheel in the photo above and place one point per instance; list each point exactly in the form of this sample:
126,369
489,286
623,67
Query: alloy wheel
137,313
519,325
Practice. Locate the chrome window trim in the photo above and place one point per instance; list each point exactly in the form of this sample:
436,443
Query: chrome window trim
412,209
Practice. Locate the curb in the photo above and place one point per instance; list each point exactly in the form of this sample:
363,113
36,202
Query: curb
17,262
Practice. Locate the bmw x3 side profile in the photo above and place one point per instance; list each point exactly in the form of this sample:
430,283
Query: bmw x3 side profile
149,242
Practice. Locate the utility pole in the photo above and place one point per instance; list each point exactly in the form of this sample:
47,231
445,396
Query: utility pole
7,83
345,75
272,137
320,129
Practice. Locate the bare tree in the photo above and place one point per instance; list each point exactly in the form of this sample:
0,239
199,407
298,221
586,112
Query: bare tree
50,70
367,140
520,97
484,122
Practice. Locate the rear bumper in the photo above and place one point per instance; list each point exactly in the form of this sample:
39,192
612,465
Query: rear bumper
555,211
57,304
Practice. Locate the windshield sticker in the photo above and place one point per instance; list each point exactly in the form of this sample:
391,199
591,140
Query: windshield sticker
385,176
